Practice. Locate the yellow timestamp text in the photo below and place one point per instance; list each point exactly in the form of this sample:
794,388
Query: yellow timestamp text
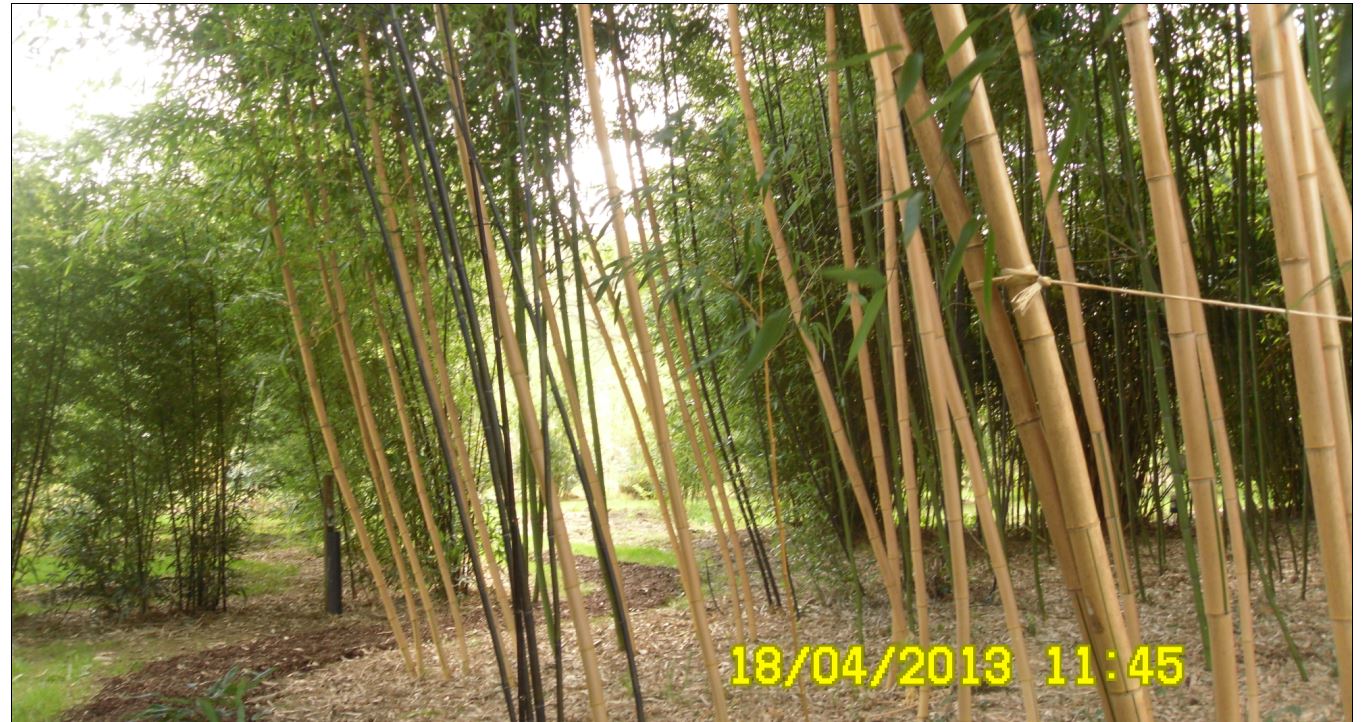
1150,664
912,665
905,665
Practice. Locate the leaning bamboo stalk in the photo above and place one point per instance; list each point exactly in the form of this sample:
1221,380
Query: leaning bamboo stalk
944,386
1018,390
832,415
467,479
725,541
372,464
1304,337
1044,365
604,331
698,432
525,401
386,488
903,409
1311,165
550,316
1323,286
1168,216
864,373
305,352
653,388
1336,199
791,618
445,389
1075,320
418,477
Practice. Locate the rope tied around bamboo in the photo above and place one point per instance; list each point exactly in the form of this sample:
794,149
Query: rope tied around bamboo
1025,284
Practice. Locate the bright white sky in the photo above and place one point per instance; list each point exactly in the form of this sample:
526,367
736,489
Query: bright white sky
58,82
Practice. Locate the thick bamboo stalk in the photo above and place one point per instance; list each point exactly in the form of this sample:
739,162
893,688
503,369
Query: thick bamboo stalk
403,548
1323,294
833,416
1339,214
1304,336
999,333
864,374
1128,699
305,352
418,476
653,388
1168,216
1075,321
944,386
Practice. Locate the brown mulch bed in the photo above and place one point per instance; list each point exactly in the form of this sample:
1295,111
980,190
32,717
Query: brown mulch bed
646,586
185,675
376,687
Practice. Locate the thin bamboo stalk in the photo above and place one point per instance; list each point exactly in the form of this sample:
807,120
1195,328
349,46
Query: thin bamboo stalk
305,353
1304,336
516,367
605,333
698,433
903,410
791,617
864,373
436,351
653,388
832,415
1049,382
944,386
404,550
1075,321
418,476
1189,382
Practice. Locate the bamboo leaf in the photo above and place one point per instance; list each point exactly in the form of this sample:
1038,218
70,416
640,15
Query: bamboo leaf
960,40
1075,128
910,215
869,315
910,73
860,275
858,59
771,332
962,83
958,254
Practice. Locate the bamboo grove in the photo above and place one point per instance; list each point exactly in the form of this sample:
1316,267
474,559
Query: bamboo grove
907,285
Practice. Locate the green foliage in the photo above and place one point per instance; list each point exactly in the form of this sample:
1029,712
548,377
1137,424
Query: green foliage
224,699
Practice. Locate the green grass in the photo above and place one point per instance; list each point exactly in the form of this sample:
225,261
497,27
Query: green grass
261,577
44,569
48,678
635,554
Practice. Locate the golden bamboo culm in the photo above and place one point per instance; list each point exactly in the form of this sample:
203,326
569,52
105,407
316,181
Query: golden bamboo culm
1008,358
1128,699
1310,378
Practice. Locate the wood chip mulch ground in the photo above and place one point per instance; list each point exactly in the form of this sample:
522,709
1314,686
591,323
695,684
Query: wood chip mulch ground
187,675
